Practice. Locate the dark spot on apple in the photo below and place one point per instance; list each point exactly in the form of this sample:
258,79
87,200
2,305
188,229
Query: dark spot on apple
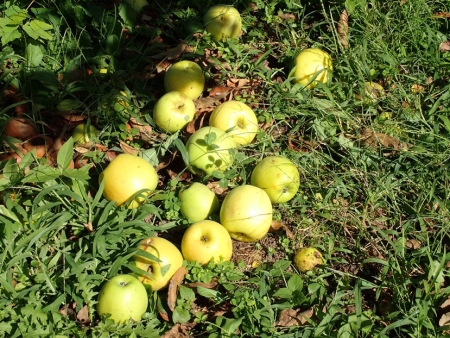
204,239
122,284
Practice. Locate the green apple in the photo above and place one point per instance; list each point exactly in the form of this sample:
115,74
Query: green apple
124,297
186,77
173,111
82,134
206,241
238,119
307,258
246,213
313,65
198,202
210,149
278,177
223,22
163,269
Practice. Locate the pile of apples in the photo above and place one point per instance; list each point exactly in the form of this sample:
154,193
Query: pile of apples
245,213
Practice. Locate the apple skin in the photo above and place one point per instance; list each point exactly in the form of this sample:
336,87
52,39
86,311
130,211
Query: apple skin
307,258
205,158
223,22
246,213
82,134
238,119
167,253
198,202
186,77
173,111
206,241
126,175
313,63
124,297
278,177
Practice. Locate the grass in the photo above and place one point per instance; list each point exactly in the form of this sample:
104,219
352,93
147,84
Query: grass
374,175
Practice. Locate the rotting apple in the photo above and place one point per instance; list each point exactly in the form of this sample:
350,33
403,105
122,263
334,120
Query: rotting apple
206,241
167,260
236,118
186,77
222,22
198,202
173,111
278,177
246,213
124,297
312,65
125,176
83,134
210,149
307,259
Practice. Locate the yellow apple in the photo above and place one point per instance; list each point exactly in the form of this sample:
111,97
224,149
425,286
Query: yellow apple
170,260
237,119
307,258
210,149
173,111
206,241
223,22
123,297
278,177
127,175
186,77
246,213
198,202
82,134
313,65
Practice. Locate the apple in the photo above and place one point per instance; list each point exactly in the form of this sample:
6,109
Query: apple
198,202
223,22
124,297
170,260
173,111
246,213
206,241
237,119
278,177
82,134
125,176
307,258
186,77
210,149
312,65
373,92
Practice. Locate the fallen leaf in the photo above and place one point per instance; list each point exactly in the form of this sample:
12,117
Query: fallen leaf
174,284
216,188
291,317
276,225
167,160
375,139
417,88
445,319
210,285
145,130
445,304
174,53
237,83
287,16
83,315
219,92
444,46
127,149
441,15
413,244
179,331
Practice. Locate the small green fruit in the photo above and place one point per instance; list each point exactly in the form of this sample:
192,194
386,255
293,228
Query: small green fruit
307,258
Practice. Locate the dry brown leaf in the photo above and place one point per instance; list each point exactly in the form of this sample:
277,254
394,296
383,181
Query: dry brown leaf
219,92
375,139
237,83
83,315
174,284
72,117
210,285
444,46
342,28
179,331
445,319
445,304
167,161
417,88
145,130
441,15
174,53
287,16
276,225
127,149
291,317
413,244
216,188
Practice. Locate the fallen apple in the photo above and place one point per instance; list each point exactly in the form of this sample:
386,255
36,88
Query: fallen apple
167,261
125,176
312,65
206,241
306,259
186,77
210,149
246,213
83,134
373,92
278,177
173,111
198,202
124,298
236,118
223,22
